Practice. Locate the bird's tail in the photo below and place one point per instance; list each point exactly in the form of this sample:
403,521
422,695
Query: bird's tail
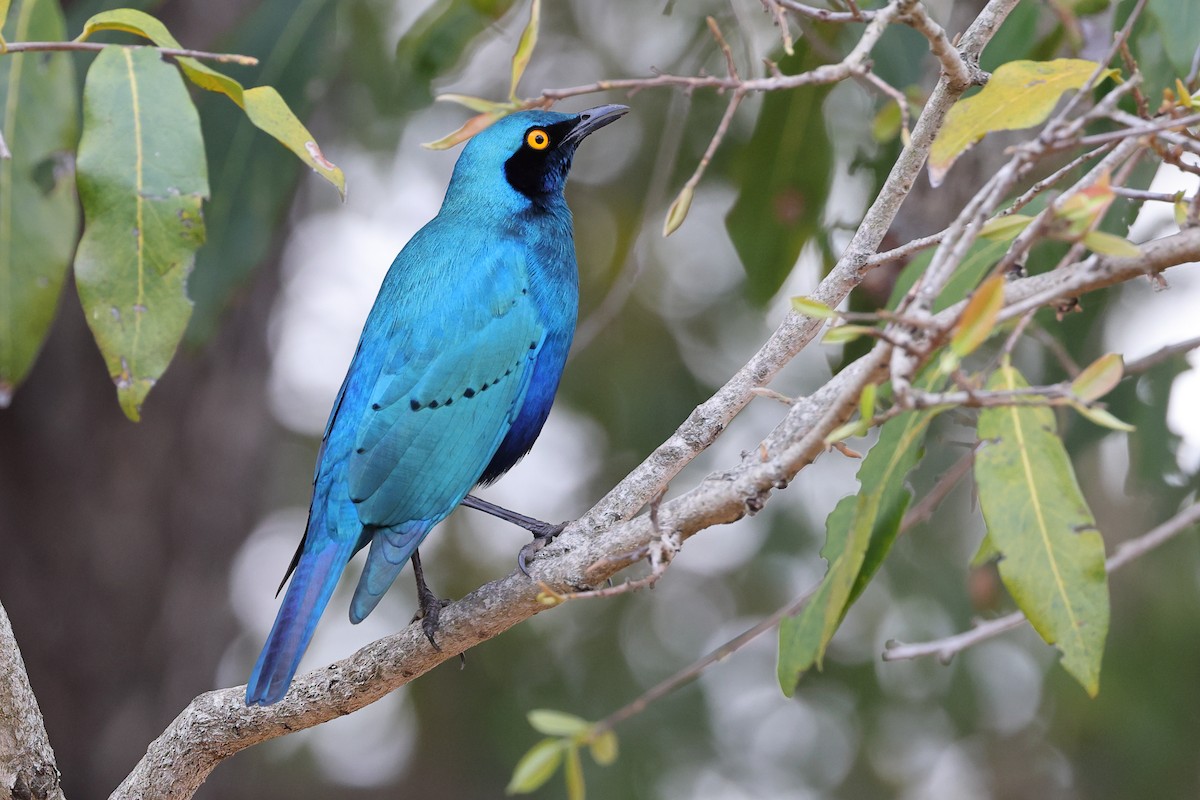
391,548
311,586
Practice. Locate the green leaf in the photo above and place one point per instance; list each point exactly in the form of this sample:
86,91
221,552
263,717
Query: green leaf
1110,245
1019,95
678,211
978,319
812,308
536,767
604,748
1099,378
859,534
39,218
142,178
1053,556
1177,25
1004,229
784,179
557,723
263,105
576,789
525,46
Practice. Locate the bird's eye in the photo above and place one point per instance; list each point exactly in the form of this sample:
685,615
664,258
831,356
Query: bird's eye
537,139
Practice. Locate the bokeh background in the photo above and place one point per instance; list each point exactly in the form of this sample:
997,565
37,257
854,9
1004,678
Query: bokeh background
139,562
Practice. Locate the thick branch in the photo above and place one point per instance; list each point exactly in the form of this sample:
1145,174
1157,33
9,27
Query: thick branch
218,724
27,768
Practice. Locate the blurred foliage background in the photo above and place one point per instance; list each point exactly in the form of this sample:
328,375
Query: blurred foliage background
140,561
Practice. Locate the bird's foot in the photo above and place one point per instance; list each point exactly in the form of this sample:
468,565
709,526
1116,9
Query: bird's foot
429,612
429,605
543,535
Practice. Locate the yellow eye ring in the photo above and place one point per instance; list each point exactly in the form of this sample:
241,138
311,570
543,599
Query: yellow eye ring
537,139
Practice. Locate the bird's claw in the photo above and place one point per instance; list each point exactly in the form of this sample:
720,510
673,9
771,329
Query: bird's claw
543,536
429,613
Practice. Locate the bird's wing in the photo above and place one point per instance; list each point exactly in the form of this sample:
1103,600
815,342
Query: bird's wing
450,384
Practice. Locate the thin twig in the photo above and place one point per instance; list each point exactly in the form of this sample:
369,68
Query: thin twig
896,95
825,15
924,509
1056,348
730,66
1102,65
776,11
1160,355
1127,552
905,250
37,47
960,73
1154,197
693,670
915,515
1163,125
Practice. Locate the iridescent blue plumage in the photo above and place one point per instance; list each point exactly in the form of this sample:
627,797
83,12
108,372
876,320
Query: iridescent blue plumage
454,375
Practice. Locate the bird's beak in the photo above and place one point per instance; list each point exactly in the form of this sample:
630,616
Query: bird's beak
593,120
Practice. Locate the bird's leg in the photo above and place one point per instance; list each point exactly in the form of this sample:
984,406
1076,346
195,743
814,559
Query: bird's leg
543,532
429,605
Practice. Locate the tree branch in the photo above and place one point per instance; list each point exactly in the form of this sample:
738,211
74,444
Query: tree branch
27,767
95,47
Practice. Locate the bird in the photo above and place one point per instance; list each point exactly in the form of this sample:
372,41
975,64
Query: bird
451,382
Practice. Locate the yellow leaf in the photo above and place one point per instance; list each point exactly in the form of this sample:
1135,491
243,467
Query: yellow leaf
812,308
678,211
477,104
1185,97
1099,378
1001,229
886,125
520,59
866,402
556,723
1104,419
471,127
978,319
1110,245
846,333
1084,208
1019,95
576,790
604,748
268,111
536,766
843,432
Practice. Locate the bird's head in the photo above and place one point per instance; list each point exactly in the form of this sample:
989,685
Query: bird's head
527,155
